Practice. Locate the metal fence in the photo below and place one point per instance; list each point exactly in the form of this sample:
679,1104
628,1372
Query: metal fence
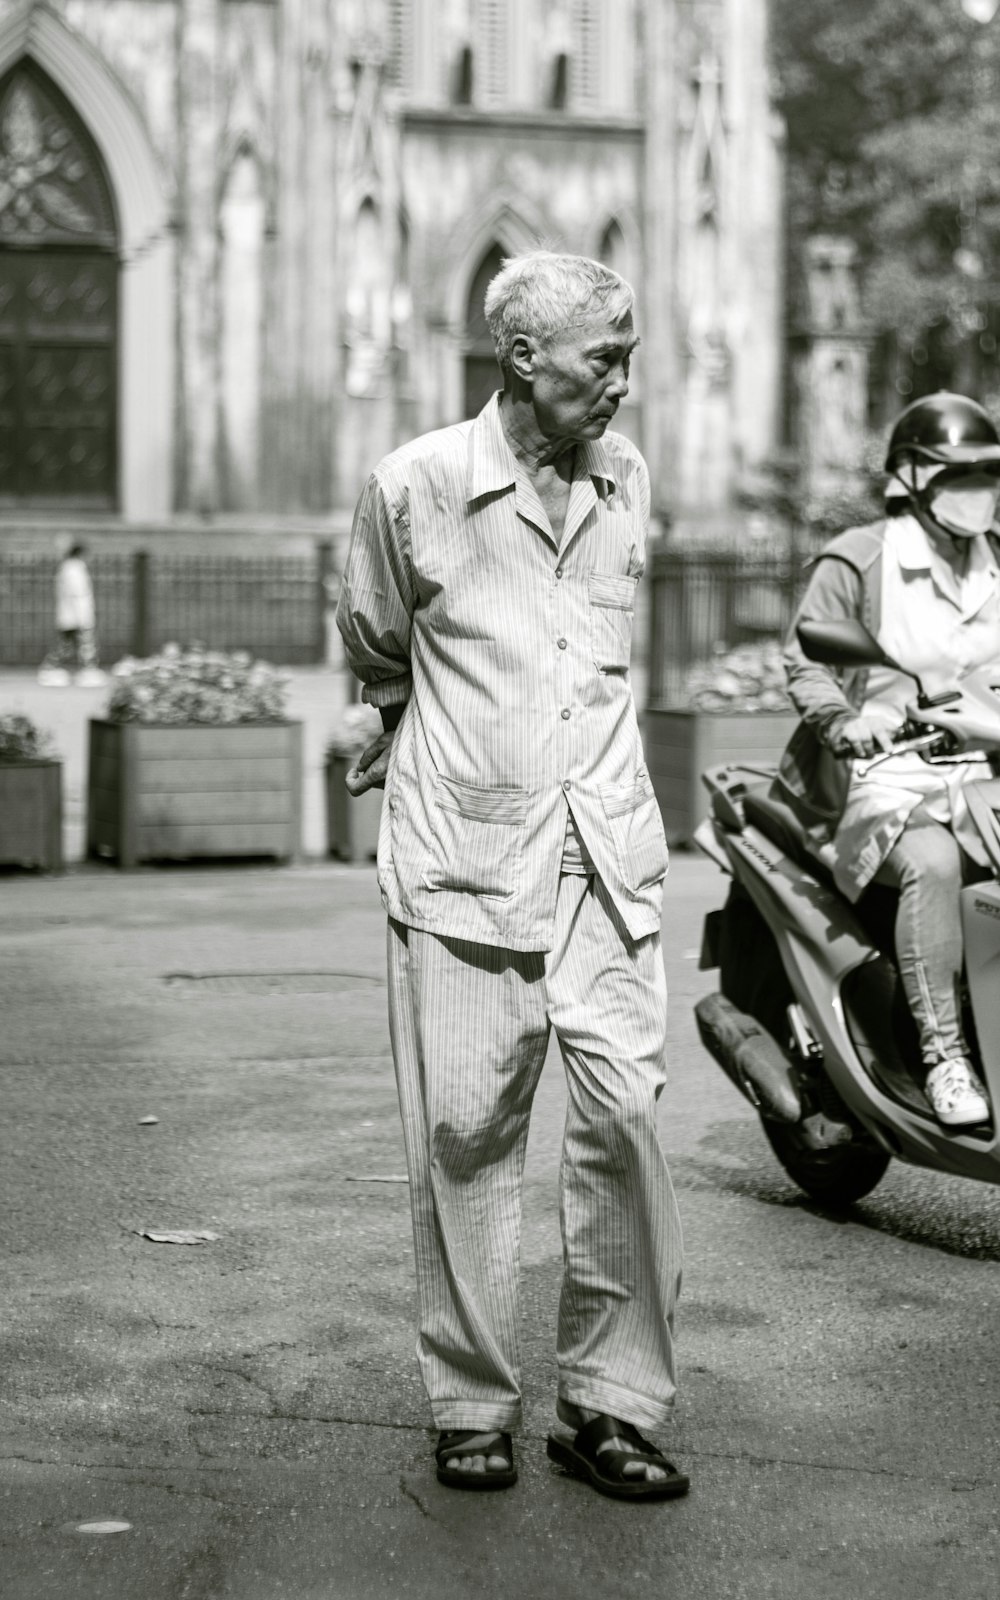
272,605
702,601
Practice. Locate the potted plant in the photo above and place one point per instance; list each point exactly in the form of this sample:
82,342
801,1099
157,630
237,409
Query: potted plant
352,821
195,757
30,796
733,711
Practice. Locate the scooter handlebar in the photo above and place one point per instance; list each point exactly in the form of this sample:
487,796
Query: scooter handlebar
934,739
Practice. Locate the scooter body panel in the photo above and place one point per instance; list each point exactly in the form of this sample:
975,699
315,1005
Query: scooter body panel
981,931
821,941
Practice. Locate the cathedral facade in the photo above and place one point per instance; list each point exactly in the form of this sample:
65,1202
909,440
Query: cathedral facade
244,243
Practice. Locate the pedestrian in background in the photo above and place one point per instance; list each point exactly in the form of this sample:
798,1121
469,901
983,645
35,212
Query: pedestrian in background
487,608
75,624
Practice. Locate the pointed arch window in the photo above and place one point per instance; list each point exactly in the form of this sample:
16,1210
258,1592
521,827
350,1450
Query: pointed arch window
243,229
463,77
558,98
613,249
482,375
58,303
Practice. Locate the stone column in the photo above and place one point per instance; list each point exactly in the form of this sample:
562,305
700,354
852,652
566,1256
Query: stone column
659,355
197,299
757,209
831,349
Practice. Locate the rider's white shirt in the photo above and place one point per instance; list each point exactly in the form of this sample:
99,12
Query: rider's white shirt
941,627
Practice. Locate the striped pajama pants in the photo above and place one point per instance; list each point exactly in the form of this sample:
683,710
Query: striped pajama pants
470,1027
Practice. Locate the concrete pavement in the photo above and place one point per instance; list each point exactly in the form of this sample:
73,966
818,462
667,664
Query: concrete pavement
250,1406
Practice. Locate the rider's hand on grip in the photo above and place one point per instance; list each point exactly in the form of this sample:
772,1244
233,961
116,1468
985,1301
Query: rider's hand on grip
861,737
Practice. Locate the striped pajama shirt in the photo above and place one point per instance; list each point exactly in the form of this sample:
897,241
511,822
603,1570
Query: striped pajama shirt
518,757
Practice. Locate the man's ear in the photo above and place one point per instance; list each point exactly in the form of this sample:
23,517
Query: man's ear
523,356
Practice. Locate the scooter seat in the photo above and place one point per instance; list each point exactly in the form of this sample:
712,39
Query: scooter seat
766,808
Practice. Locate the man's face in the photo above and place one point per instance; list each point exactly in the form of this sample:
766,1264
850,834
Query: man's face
580,377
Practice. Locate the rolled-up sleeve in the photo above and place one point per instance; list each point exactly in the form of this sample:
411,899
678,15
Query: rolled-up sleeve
833,594
375,609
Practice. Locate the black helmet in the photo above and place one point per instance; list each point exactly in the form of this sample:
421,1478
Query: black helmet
946,430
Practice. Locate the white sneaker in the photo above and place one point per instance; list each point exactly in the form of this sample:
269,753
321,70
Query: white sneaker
54,678
91,678
956,1094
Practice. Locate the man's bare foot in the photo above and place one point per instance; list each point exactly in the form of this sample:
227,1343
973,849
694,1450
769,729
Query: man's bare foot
476,1460
465,1457
637,1469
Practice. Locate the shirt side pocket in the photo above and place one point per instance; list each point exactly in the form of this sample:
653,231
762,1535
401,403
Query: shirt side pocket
479,839
636,829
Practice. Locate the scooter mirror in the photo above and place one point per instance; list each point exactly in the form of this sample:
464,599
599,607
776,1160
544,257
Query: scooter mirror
846,643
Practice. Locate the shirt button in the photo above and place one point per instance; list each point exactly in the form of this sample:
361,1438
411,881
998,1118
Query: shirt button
567,784
562,644
558,572
564,713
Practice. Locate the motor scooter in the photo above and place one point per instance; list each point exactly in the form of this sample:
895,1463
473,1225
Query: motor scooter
810,1021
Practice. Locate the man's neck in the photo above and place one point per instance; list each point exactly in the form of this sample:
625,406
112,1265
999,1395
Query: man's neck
530,446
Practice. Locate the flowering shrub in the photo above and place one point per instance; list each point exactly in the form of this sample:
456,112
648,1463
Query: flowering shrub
21,740
197,685
749,678
359,727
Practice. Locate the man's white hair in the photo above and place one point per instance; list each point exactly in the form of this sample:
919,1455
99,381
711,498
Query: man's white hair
541,293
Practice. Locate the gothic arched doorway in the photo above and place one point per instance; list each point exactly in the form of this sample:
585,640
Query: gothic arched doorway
58,303
482,375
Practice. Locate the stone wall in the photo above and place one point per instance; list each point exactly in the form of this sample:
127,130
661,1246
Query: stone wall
309,187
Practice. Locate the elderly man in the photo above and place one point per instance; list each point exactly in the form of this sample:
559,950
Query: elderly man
487,608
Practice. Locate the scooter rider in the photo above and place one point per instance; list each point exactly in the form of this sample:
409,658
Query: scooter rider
925,581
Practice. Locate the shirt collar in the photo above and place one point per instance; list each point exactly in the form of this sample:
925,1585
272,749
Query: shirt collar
911,544
492,466
914,551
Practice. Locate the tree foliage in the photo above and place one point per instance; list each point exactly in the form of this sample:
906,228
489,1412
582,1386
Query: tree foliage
893,116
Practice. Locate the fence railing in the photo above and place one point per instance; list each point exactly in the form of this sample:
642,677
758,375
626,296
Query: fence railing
702,601
272,605
276,605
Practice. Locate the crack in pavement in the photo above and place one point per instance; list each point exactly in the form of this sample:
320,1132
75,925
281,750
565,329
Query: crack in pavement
965,1482
409,1494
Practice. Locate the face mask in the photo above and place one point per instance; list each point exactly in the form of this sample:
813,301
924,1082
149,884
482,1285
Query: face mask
966,511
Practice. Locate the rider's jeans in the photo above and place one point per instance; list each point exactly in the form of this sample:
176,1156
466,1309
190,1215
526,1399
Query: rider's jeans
927,866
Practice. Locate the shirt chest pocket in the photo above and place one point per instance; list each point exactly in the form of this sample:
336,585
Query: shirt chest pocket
479,836
612,613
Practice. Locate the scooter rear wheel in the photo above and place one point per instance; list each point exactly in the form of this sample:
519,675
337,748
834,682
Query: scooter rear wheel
836,1177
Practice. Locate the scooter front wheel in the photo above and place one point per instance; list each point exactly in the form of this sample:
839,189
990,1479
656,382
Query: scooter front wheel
835,1177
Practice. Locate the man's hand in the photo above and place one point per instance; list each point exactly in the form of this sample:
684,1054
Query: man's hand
372,765
862,737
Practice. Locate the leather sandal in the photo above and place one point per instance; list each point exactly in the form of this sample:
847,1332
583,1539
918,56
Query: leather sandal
455,1443
606,1471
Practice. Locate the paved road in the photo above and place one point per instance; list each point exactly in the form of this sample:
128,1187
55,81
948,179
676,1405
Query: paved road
250,1406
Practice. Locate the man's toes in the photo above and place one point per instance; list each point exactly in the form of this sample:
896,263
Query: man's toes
497,1464
640,1469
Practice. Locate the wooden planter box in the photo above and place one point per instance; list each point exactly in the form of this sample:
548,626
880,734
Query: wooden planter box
681,744
31,814
352,823
159,793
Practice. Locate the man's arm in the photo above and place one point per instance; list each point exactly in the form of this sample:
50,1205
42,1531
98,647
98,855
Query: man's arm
834,595
374,616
